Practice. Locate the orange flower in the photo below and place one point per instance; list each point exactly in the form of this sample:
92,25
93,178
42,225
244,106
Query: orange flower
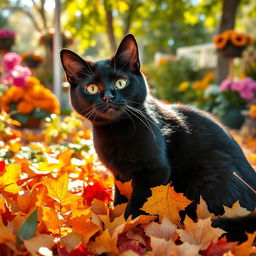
239,39
220,41
25,107
31,81
253,111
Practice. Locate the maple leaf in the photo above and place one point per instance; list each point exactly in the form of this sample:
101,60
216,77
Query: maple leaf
38,243
96,190
166,202
166,229
9,178
199,233
58,189
235,211
246,248
104,243
125,188
111,226
27,201
202,210
80,250
83,225
161,247
219,248
71,241
6,234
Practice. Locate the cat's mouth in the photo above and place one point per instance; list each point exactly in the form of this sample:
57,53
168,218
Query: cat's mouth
111,110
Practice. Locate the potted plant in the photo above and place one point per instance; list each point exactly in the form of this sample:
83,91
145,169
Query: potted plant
31,60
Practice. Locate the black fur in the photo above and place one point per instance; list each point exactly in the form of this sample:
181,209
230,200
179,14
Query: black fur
142,139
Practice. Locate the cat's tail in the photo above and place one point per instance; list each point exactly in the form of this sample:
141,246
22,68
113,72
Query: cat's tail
236,227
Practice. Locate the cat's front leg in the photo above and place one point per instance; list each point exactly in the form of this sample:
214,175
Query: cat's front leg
142,184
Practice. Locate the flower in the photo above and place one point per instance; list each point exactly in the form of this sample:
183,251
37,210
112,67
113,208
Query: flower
6,33
19,75
10,60
232,37
183,86
252,110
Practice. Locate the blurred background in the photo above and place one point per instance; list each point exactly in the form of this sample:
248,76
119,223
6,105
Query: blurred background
198,52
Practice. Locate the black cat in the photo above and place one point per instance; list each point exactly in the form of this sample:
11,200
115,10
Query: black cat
139,138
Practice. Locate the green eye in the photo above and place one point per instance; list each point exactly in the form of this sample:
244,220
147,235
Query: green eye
92,88
121,83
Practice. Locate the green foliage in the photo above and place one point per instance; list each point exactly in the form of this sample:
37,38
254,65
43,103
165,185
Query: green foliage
165,78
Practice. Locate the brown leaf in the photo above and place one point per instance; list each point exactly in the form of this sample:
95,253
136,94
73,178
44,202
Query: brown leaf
35,244
235,211
71,241
166,230
166,202
202,210
199,233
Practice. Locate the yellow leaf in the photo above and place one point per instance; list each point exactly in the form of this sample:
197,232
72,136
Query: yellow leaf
10,177
165,230
199,233
111,226
2,205
85,227
36,244
235,211
125,188
166,202
247,247
58,189
104,243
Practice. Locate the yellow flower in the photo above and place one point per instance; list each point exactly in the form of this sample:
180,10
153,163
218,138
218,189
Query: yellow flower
183,86
253,111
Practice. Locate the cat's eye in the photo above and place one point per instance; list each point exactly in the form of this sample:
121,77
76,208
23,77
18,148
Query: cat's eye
92,89
121,83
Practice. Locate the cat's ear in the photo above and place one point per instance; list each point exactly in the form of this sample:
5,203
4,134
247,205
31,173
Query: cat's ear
127,54
74,66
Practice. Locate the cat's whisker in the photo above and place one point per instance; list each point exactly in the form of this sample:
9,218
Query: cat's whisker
146,124
123,108
141,113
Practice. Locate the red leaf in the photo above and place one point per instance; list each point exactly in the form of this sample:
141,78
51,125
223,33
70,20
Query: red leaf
219,248
80,250
2,166
97,191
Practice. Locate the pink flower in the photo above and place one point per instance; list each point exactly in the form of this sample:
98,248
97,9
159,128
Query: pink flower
6,33
19,75
10,60
246,93
225,85
236,86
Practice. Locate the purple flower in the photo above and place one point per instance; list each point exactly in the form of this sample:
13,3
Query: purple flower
225,85
10,60
236,86
246,93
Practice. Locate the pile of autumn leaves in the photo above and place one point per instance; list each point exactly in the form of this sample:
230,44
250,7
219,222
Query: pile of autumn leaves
62,206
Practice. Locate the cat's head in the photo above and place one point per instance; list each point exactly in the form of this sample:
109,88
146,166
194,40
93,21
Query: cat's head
107,90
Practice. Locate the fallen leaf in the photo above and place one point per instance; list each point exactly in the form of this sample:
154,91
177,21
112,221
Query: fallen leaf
71,241
165,230
51,220
199,233
2,166
34,244
84,226
58,189
166,202
235,211
161,247
6,234
246,248
219,248
202,210
104,243
9,178
125,188
111,226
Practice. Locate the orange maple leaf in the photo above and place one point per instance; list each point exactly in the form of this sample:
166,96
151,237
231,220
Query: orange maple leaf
202,210
125,188
246,248
199,233
166,202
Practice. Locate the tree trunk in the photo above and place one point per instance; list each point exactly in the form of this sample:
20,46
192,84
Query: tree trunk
110,27
229,9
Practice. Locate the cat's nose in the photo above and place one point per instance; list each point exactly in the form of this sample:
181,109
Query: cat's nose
108,96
